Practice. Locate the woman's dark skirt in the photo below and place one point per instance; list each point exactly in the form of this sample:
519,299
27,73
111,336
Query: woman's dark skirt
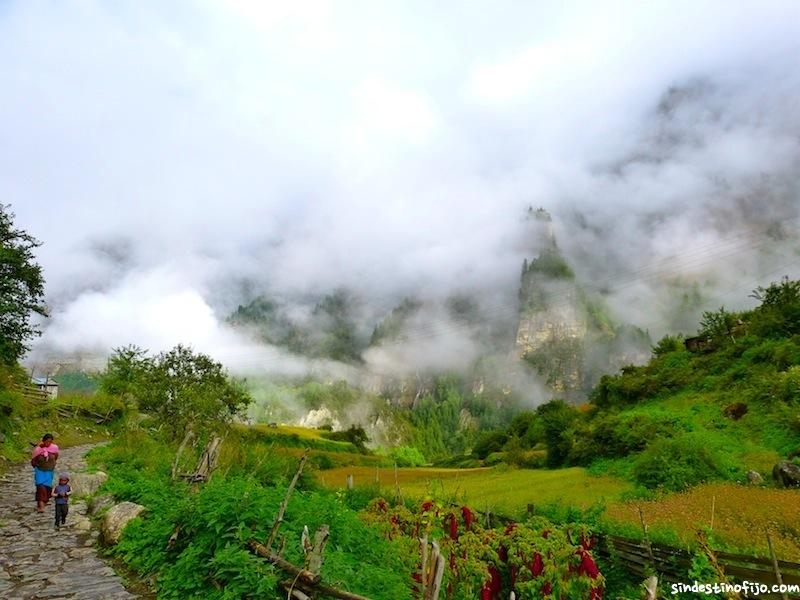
43,493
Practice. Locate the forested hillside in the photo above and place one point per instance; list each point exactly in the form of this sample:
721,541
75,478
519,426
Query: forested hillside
710,407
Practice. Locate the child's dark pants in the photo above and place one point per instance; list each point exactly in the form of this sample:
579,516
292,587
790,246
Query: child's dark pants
61,513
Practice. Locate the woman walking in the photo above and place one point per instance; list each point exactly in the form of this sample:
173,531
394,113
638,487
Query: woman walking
43,460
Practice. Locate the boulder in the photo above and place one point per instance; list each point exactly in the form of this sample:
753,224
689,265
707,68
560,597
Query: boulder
86,484
754,478
786,474
98,503
115,520
735,411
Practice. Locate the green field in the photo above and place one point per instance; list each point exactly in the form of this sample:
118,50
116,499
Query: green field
504,490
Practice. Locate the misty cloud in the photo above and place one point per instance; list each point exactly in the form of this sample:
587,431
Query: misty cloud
179,160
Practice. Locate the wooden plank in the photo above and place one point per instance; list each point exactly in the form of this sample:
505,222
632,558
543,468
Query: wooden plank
643,571
725,557
678,559
765,576
756,560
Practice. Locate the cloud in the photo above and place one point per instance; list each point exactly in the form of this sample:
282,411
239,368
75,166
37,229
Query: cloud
196,155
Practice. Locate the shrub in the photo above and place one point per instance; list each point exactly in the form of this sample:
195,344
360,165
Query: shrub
667,344
678,463
355,434
489,442
557,420
407,456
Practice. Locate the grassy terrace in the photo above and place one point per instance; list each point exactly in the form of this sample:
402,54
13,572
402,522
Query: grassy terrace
505,490
741,514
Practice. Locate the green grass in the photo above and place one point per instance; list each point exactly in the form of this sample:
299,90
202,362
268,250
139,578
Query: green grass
748,443
216,520
292,437
23,423
504,490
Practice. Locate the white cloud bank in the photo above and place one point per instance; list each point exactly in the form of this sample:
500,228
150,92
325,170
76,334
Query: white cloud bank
175,158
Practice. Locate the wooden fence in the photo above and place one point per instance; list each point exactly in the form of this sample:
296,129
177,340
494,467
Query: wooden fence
672,564
32,394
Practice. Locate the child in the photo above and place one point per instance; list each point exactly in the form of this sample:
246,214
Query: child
61,493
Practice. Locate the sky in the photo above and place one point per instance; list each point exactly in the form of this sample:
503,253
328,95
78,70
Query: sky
176,159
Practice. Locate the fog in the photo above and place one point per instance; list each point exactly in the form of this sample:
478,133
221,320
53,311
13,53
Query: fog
180,159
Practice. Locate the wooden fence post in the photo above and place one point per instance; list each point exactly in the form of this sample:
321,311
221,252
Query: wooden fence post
349,482
398,497
713,510
315,556
646,537
432,585
774,556
282,509
651,588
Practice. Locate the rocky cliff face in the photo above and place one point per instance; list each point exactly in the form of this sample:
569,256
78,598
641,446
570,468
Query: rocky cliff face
552,325
564,335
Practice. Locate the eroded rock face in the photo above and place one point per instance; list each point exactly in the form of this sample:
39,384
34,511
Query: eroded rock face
786,474
86,484
115,520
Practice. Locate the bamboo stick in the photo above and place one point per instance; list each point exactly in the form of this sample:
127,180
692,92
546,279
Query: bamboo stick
302,574
774,556
186,439
327,590
646,537
282,509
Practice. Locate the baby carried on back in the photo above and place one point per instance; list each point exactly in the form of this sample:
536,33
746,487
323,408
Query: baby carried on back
43,461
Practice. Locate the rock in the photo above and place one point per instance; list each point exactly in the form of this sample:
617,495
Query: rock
735,411
80,523
754,478
98,503
86,484
786,474
115,520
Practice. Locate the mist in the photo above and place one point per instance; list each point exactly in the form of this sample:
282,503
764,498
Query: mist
180,160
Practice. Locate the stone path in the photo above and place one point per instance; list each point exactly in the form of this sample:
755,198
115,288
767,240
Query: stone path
38,562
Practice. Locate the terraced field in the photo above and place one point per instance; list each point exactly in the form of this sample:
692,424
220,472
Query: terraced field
504,490
741,516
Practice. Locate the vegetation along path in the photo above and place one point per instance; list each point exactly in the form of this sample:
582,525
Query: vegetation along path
36,561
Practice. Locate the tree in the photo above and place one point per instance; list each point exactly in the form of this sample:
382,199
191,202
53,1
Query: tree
21,289
558,418
779,313
181,387
718,325
125,371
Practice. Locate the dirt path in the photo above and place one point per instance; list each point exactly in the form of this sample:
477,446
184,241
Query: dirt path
38,562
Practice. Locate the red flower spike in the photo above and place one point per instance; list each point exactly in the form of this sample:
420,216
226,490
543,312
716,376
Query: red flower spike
453,526
537,566
466,513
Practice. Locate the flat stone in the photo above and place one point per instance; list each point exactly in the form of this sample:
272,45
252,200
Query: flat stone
38,561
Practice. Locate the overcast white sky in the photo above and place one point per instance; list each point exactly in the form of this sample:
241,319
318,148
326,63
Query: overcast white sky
168,154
